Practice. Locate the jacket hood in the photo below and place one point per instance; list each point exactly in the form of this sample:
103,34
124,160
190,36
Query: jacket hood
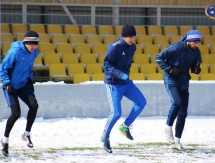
19,45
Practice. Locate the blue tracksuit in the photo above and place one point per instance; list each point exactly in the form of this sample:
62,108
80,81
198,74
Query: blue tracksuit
178,56
116,63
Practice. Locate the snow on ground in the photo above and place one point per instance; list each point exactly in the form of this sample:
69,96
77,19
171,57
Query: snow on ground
78,140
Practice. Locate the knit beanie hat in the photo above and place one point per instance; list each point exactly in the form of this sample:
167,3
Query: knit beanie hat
128,30
193,35
31,37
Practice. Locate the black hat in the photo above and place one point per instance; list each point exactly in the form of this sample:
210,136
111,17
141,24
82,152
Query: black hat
31,37
128,30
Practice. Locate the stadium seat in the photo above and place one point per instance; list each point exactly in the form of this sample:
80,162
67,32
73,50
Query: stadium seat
140,30
64,48
212,68
46,48
82,48
150,49
58,39
170,31
39,28
101,58
92,68
203,49
194,76
75,68
185,29
204,68
19,36
147,68
80,78
108,39
57,72
163,46
4,27
161,39
99,48
38,64
154,76
152,58
134,68
139,49
44,38
93,39
71,29
208,40
88,29
76,39
140,58
5,47
161,71
208,58
174,39
118,30
154,30
213,30
136,76
51,58
212,49
87,58
19,28
144,39
98,77
68,58
204,30
54,29
105,30
6,37
209,76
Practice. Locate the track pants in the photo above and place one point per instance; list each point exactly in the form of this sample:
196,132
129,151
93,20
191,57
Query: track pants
179,96
115,94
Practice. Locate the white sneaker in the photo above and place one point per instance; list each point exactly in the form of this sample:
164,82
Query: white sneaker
178,147
169,136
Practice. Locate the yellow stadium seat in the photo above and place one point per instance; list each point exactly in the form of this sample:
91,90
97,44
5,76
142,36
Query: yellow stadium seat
208,76
71,29
140,58
68,58
204,68
170,30
58,39
38,64
154,30
163,46
174,39
212,68
194,76
5,48
93,39
118,30
105,30
64,48
19,28
44,38
154,76
212,30
82,48
57,71
185,29
39,28
88,29
98,77
139,49
144,39
6,37
152,58
80,78
140,30
87,58
208,40
76,39
203,49
99,48
4,27
46,48
54,29
108,39
19,36
136,76
208,58
147,68
150,49
204,30
161,71
92,68
134,68
75,68
212,49
101,58
51,58
160,39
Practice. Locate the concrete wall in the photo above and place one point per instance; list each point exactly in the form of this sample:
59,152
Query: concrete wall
89,100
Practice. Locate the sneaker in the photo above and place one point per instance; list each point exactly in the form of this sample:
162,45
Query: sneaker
4,149
178,146
28,140
169,136
125,131
106,145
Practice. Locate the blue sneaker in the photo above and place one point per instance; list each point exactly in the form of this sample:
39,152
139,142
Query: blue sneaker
106,145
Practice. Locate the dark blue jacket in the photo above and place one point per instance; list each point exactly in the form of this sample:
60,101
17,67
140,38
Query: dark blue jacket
179,56
118,61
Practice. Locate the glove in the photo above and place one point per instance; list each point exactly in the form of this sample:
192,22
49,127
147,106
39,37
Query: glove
10,89
31,84
124,77
175,72
197,68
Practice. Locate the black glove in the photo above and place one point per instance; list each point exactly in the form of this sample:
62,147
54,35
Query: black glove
31,84
10,89
175,72
197,68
